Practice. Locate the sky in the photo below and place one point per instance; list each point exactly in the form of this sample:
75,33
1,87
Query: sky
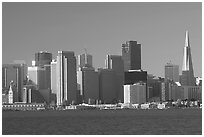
102,28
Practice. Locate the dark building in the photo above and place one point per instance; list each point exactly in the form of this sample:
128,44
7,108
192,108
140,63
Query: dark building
131,54
107,86
43,58
115,62
88,81
135,76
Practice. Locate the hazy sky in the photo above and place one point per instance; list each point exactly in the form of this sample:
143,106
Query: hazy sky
101,28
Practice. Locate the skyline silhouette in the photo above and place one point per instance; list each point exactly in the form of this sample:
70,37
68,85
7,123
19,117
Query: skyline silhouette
102,28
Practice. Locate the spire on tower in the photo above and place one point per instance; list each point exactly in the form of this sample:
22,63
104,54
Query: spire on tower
187,68
187,43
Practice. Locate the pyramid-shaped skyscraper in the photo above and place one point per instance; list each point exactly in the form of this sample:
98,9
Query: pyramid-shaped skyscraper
187,77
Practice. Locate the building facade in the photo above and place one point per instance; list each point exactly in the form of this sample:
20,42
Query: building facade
43,58
66,78
172,72
107,86
115,63
192,92
37,76
88,80
84,60
131,54
135,76
135,94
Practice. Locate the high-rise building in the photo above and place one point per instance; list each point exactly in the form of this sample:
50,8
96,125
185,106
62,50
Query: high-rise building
131,54
37,75
43,58
172,72
84,60
135,94
66,78
115,63
155,88
53,67
88,79
187,77
107,86
54,76
17,74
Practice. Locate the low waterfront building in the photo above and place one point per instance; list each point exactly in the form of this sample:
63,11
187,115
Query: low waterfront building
23,106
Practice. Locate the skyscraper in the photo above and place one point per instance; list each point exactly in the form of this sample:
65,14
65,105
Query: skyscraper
66,77
115,62
187,77
172,72
38,76
131,54
54,76
88,79
43,58
107,86
84,60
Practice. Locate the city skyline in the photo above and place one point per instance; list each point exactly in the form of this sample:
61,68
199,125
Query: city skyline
101,28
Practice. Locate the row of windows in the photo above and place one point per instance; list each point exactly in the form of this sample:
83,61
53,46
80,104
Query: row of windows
22,105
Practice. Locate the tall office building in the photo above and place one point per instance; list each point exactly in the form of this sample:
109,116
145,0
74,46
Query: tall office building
84,60
131,54
187,77
115,63
54,76
107,86
88,80
17,74
37,75
172,72
154,88
66,77
43,58
53,71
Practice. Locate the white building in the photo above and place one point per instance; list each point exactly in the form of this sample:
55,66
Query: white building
135,94
66,77
10,95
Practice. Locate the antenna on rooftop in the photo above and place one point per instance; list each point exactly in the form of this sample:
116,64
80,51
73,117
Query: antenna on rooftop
86,61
